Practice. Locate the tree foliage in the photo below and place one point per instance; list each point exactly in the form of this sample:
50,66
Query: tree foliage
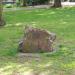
32,2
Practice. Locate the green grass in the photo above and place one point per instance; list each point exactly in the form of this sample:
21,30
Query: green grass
60,21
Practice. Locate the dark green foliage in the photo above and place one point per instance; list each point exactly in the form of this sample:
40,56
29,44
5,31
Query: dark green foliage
37,2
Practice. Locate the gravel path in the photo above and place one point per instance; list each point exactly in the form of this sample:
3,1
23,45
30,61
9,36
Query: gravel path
68,3
38,6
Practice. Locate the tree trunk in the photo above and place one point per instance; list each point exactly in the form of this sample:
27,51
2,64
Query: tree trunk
57,3
1,16
24,3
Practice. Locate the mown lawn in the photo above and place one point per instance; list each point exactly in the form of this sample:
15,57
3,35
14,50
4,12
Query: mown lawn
61,62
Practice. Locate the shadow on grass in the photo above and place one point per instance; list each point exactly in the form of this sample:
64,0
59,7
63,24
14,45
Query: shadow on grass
61,62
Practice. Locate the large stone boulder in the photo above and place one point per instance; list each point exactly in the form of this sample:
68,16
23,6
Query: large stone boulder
36,40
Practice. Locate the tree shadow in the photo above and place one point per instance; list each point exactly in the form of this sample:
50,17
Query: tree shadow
60,62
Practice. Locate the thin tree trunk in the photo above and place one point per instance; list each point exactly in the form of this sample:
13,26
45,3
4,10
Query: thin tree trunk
57,3
1,15
24,3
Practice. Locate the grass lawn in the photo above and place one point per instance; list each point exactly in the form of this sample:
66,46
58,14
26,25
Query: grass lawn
61,62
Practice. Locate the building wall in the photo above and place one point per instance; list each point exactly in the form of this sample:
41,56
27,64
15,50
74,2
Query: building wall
9,0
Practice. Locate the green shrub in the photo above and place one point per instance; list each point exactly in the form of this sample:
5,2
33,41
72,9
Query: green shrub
17,2
8,6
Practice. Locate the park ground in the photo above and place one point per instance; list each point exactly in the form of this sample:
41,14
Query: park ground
60,62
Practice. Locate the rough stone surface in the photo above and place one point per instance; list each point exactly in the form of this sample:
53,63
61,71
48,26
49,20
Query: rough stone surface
36,40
